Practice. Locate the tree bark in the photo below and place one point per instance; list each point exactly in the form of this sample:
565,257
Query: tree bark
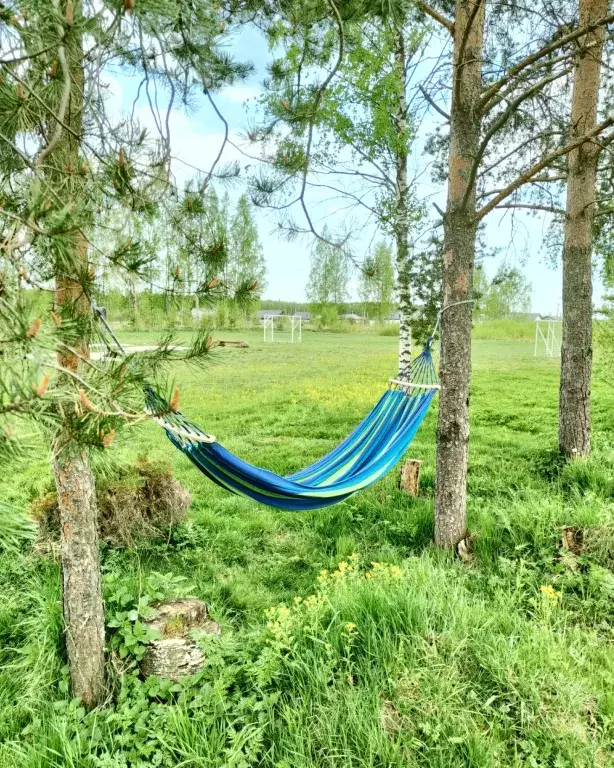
577,347
82,593
460,229
401,223
81,581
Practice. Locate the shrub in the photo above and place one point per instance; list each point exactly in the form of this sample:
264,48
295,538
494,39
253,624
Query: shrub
517,330
387,329
142,504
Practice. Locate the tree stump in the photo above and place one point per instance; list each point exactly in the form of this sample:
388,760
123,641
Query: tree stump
410,477
175,654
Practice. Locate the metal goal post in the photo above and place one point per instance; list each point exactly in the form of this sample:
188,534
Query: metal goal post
550,341
296,328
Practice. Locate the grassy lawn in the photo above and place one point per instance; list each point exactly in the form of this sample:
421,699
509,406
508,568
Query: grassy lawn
401,656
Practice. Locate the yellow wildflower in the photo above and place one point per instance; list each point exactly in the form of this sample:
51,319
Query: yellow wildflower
550,592
350,626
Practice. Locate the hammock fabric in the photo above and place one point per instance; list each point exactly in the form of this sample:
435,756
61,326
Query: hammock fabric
369,452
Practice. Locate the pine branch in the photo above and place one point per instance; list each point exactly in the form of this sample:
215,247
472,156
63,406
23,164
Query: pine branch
499,124
533,207
528,175
525,63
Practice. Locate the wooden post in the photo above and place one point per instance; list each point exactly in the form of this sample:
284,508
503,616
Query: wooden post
410,477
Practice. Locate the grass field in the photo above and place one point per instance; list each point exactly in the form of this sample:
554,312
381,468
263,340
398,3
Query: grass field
401,655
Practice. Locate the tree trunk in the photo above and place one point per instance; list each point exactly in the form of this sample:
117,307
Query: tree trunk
460,229
82,594
577,347
401,224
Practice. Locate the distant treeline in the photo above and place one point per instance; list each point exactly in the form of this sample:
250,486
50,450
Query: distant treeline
120,304
367,309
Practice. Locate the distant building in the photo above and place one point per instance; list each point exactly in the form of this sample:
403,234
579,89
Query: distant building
305,316
531,316
394,318
526,316
352,317
262,313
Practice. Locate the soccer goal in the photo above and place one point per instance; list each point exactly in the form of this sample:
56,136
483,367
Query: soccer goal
283,328
548,331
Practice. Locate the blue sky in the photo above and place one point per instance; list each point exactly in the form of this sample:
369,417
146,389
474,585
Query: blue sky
196,138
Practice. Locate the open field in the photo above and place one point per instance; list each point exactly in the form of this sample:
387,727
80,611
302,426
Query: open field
427,662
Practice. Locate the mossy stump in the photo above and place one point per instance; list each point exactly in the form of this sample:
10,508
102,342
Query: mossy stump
176,654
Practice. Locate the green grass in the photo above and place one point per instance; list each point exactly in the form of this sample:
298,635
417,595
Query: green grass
447,665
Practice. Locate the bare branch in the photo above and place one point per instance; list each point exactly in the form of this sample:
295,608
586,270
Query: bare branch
433,104
540,54
500,122
430,11
218,157
533,207
531,172
57,134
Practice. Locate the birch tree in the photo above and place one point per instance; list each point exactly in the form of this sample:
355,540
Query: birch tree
246,259
377,281
366,128
327,286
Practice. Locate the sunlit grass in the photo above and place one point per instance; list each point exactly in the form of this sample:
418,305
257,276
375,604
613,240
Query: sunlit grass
428,662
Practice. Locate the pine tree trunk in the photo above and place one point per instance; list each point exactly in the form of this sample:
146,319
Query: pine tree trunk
82,594
458,262
577,347
401,224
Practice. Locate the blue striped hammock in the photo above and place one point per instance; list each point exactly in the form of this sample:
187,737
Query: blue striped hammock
370,451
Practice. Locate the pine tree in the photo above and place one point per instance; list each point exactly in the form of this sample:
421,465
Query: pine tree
505,149
65,164
577,343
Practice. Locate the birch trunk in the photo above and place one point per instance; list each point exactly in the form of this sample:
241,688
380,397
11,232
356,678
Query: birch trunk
457,280
577,348
82,594
401,224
